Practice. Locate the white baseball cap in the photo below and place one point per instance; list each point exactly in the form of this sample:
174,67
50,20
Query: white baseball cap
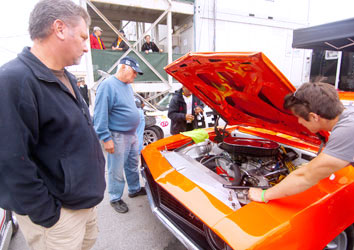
97,28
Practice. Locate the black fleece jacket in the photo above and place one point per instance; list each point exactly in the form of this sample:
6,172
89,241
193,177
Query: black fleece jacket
50,156
177,111
150,46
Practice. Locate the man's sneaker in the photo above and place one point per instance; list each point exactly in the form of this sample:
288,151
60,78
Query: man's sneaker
142,191
120,206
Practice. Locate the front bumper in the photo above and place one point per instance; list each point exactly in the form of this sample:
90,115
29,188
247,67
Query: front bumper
165,220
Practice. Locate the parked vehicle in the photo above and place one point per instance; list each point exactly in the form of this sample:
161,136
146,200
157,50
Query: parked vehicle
8,227
199,191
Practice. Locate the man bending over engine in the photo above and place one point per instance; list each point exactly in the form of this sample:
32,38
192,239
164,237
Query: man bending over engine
317,107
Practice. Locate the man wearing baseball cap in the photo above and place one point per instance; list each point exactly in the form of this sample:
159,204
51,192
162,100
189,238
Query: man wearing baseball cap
95,39
116,119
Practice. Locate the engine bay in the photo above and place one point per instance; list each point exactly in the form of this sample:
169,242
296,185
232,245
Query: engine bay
240,161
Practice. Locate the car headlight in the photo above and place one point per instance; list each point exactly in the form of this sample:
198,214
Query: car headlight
214,241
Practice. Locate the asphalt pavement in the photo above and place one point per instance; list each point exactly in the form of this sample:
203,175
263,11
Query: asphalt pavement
138,229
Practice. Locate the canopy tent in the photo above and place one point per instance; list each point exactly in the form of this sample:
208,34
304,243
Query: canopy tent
337,36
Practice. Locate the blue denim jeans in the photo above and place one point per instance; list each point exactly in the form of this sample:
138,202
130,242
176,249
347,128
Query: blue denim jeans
140,130
125,156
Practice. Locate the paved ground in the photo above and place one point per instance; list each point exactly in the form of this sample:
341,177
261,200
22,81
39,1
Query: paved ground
136,230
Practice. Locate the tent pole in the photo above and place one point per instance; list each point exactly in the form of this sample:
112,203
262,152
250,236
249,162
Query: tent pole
339,64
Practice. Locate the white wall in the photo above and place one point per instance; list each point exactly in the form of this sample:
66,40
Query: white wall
184,34
268,30
186,40
274,42
281,10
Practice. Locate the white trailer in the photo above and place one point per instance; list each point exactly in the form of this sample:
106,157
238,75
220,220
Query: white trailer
255,25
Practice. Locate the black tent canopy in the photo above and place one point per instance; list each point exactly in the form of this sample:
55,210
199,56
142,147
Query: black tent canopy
337,36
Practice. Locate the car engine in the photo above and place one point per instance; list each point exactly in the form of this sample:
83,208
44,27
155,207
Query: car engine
245,162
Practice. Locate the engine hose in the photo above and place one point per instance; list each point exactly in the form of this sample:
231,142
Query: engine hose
209,163
212,158
235,167
238,177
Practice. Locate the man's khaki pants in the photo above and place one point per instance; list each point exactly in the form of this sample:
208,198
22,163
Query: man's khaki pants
75,230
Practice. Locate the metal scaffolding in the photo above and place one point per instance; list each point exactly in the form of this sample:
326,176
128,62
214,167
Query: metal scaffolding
168,6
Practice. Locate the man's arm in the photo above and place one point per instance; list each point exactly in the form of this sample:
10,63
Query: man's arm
21,189
173,111
123,46
154,47
143,47
301,179
114,44
109,146
199,105
103,105
198,110
94,42
91,42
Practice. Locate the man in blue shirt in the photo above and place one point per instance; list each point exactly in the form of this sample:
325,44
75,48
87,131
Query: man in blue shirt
116,119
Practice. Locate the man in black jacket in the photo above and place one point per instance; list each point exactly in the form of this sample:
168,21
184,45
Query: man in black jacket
51,162
149,46
183,110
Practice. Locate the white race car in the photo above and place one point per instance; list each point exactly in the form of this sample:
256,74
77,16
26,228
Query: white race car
158,124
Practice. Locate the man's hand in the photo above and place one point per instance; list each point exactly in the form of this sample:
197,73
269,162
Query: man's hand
189,117
255,194
109,146
198,110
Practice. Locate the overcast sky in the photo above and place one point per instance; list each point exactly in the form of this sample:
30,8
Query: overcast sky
15,13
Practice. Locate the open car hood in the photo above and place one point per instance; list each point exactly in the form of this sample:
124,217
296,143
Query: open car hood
244,88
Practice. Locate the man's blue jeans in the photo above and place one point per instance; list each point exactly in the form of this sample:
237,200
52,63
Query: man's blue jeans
125,156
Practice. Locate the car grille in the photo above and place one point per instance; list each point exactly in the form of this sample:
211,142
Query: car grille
171,203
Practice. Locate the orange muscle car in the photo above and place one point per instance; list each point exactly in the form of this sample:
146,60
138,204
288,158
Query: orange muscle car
199,190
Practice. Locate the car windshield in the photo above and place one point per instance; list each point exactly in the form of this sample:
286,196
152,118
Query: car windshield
164,103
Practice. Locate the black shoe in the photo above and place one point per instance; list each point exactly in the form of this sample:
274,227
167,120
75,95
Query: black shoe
142,191
120,206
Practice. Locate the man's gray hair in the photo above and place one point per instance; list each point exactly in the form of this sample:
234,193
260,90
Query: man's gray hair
47,11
